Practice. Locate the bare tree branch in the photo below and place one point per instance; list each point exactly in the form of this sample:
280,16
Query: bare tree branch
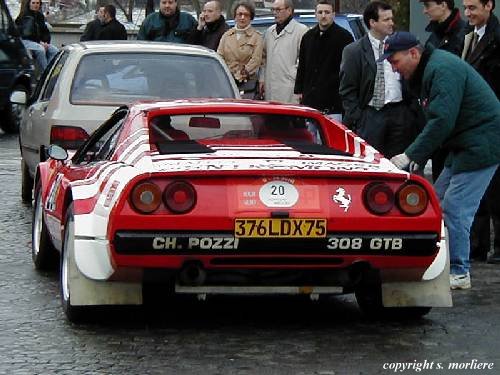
127,9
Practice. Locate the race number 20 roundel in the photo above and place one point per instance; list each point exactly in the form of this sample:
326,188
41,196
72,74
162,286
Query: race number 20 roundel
278,194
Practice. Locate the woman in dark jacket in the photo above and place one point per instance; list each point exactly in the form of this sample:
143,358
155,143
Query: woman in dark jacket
35,34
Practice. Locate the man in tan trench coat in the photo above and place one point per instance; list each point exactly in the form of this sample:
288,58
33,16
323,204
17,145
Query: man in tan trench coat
281,51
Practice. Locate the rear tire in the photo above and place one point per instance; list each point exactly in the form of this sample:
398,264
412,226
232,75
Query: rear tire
43,253
74,314
26,184
13,113
369,298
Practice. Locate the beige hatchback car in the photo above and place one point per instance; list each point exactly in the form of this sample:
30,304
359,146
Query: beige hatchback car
86,82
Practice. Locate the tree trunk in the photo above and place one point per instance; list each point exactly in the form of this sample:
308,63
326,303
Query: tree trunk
401,11
197,7
150,7
130,13
127,9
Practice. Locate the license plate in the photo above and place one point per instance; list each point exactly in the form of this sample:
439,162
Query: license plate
280,228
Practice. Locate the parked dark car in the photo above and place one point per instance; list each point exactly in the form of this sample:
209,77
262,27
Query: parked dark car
16,73
351,22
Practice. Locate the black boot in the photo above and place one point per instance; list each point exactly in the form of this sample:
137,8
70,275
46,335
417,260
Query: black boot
495,257
480,238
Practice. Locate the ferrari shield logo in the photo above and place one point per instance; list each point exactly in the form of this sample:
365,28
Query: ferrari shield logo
343,199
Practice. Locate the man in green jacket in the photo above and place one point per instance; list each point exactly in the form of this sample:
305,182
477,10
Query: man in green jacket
462,116
169,24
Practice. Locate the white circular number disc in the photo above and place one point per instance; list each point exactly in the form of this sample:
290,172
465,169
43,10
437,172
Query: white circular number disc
278,194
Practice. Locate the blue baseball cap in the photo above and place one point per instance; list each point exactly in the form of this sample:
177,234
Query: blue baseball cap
399,41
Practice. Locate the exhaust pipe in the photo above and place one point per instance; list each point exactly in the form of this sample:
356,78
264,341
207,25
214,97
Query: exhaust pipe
357,272
192,274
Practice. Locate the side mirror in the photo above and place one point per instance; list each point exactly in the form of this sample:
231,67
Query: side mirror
19,97
57,153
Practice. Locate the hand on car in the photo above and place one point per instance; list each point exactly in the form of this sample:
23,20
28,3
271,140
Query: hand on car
402,161
262,89
244,74
413,167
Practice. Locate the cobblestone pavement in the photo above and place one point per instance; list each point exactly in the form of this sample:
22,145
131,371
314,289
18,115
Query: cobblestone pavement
223,335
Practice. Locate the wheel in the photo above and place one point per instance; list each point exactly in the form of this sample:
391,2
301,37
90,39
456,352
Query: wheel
73,313
26,184
13,113
44,254
369,299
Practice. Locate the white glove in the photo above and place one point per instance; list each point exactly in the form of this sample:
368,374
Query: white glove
413,167
401,161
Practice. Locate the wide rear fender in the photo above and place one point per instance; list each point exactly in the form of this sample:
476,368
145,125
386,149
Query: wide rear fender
42,174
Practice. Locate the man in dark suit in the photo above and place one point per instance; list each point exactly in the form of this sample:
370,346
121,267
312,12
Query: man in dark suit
211,26
375,103
482,51
484,54
93,27
111,28
317,80
446,27
105,26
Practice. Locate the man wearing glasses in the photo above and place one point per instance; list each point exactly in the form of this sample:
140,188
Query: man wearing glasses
281,51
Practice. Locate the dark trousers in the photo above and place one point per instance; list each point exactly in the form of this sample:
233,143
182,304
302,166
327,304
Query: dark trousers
489,209
390,130
438,159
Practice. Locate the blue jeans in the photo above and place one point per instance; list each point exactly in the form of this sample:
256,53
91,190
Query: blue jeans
42,56
460,195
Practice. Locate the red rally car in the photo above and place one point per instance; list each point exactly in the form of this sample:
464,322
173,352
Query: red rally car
233,196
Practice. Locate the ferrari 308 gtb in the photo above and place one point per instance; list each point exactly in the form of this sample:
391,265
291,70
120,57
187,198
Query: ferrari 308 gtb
225,196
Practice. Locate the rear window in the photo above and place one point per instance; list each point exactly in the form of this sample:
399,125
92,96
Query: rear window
121,78
214,128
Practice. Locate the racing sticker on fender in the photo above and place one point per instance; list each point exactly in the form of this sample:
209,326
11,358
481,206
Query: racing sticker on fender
278,194
50,204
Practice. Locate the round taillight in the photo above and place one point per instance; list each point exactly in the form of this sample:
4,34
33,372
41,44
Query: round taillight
412,199
378,198
179,197
145,197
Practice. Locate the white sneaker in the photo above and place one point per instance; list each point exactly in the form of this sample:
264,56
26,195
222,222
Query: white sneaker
460,281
